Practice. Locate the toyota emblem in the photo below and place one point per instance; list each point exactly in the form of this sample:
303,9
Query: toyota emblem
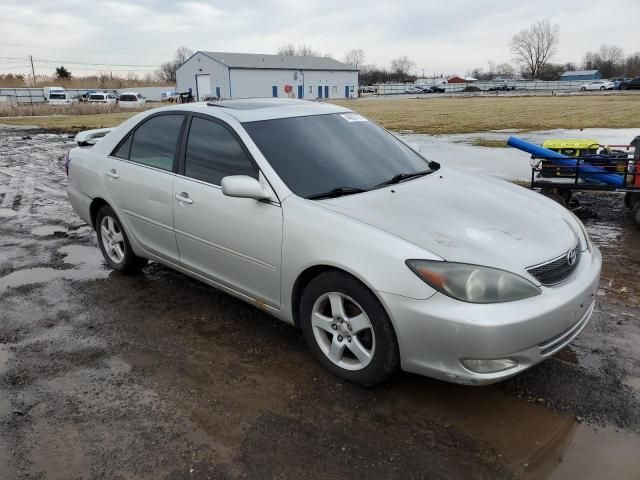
571,257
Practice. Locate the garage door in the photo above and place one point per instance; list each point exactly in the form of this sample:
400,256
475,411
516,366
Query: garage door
203,86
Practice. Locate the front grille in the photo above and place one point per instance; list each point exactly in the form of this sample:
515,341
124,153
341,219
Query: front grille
557,270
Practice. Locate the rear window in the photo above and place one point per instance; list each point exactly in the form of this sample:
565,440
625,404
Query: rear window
128,98
96,97
57,96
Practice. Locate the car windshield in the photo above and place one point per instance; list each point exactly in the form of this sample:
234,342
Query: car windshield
96,97
323,153
128,98
57,96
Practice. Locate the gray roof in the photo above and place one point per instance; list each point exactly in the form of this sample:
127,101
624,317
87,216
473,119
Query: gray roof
579,72
288,62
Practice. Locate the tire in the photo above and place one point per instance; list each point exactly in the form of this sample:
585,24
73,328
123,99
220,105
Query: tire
624,87
602,89
583,89
636,214
358,324
631,199
120,256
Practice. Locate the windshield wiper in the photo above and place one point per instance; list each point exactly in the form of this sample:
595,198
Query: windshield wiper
402,176
336,192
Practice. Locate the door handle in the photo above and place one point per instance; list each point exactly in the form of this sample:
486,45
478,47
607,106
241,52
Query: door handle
112,173
183,197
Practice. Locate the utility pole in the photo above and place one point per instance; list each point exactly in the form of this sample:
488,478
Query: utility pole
33,71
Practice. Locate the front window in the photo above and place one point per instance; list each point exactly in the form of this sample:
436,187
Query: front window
57,96
320,153
96,97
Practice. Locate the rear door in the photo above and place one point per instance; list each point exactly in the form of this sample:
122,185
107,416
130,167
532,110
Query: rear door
139,179
236,242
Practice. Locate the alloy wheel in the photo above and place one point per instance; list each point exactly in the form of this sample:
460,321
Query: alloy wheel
343,331
112,239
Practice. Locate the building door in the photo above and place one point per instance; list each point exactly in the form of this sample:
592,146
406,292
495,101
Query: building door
319,91
218,92
346,91
326,91
274,91
300,91
203,86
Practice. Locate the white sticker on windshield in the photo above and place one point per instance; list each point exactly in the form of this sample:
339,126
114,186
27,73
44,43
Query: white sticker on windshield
353,117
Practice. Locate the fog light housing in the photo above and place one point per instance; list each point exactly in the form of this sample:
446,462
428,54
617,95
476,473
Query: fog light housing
492,365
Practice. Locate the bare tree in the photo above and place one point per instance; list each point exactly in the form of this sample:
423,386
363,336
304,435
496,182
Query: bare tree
506,70
167,71
354,57
300,50
533,47
611,60
402,66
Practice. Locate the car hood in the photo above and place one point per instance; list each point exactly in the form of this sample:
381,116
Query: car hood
467,218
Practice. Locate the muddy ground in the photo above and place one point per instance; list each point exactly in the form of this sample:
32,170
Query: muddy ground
157,376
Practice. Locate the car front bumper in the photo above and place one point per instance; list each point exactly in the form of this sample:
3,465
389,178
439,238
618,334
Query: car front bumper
436,334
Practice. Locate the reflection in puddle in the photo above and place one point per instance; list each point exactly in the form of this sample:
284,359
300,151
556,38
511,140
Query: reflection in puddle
87,261
536,442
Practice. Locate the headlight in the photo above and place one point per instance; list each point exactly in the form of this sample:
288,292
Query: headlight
473,283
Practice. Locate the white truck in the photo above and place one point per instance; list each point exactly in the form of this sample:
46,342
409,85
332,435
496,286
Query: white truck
57,96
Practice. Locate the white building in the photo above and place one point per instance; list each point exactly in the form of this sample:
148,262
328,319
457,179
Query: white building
243,75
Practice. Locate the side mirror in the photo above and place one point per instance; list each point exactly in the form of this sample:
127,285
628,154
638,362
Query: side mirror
243,186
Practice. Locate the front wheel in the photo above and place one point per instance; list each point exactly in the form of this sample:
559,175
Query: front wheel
583,89
348,330
602,89
114,243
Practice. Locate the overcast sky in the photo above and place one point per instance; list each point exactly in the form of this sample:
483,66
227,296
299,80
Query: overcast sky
443,36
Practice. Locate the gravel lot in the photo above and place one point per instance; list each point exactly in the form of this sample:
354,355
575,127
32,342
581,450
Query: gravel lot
157,376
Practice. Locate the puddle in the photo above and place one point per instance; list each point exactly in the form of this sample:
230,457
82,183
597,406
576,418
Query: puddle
48,230
508,163
87,260
536,442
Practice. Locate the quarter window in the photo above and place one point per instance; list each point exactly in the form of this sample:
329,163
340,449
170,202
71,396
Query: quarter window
154,142
214,153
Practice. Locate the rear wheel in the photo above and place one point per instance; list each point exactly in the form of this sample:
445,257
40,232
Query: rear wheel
631,199
583,89
602,89
348,330
636,214
114,244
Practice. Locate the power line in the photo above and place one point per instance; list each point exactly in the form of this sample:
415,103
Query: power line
97,64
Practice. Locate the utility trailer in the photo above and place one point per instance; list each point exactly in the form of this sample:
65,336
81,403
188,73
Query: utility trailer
560,171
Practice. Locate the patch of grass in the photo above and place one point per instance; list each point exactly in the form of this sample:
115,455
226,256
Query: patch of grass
487,142
70,123
482,114
435,115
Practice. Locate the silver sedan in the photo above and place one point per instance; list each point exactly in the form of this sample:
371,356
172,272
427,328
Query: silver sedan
316,215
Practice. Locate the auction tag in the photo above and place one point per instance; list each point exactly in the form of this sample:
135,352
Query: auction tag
353,117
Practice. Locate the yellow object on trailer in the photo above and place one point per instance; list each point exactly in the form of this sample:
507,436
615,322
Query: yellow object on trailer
573,148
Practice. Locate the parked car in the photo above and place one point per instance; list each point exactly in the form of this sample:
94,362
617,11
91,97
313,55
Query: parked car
102,97
131,100
413,90
598,85
630,85
437,89
366,89
58,96
170,97
382,268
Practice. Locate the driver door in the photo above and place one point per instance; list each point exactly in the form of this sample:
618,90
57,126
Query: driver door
236,242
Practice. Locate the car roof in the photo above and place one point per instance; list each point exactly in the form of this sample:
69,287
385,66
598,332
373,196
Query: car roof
129,93
256,109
